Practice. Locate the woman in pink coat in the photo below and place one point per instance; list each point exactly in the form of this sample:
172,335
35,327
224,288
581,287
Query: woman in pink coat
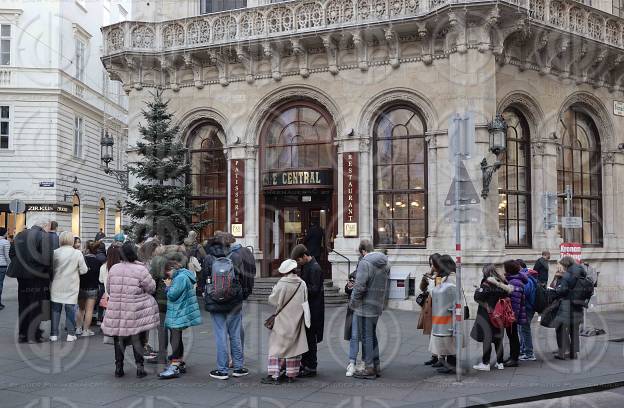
132,310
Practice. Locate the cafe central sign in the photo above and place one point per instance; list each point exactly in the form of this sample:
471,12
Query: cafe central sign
308,178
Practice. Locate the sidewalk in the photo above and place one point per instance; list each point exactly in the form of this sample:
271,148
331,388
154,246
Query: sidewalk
80,374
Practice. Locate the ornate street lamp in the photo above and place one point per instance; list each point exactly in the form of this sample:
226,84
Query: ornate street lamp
106,153
498,143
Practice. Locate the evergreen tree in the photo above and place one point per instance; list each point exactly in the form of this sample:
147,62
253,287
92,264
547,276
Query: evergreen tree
160,200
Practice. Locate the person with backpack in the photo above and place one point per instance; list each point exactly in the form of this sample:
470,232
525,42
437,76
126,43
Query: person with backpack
518,304
530,295
492,289
182,309
223,296
573,291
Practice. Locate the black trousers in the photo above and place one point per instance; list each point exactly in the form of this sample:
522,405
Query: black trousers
487,350
514,342
163,339
309,359
29,299
568,339
177,346
120,344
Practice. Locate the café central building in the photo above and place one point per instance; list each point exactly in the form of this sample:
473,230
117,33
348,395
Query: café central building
337,113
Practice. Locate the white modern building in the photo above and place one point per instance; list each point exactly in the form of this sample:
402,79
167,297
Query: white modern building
56,102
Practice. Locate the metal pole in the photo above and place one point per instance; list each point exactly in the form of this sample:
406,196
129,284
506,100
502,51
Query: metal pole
458,285
568,193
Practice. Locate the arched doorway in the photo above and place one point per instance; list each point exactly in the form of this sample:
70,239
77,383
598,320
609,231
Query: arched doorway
102,216
75,219
118,215
298,178
208,176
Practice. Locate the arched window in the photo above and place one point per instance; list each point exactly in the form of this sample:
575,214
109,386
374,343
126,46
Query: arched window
514,183
102,216
299,137
400,178
118,217
579,166
75,219
209,176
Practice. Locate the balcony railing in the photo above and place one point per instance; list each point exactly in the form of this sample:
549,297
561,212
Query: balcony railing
306,16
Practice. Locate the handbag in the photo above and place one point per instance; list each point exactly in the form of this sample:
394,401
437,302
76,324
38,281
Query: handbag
11,270
466,308
307,315
422,298
270,321
104,301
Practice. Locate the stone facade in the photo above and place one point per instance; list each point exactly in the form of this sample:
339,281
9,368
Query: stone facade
355,59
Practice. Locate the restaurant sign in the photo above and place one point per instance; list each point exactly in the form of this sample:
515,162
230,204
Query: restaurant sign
237,198
350,190
308,178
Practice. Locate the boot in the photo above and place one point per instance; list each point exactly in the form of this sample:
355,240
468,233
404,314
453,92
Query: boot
368,373
119,371
141,371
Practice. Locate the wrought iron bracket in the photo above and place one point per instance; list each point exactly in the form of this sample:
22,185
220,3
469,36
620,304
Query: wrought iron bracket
121,176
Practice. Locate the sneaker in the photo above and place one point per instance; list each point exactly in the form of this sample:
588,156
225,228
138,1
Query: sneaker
270,380
241,372
482,367
172,371
71,338
79,331
53,338
86,333
511,363
526,357
499,366
219,375
350,370
1,306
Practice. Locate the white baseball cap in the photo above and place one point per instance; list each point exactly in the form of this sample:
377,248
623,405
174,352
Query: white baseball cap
287,266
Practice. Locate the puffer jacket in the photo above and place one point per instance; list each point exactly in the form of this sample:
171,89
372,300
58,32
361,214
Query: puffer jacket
370,290
182,307
518,303
131,307
569,312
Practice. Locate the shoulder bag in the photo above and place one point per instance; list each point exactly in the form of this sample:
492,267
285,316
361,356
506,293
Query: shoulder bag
270,321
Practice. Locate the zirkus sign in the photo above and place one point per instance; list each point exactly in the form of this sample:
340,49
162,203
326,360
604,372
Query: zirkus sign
237,198
48,208
297,178
350,189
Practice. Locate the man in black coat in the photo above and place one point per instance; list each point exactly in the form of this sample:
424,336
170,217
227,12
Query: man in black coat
314,240
312,275
541,267
32,255
570,313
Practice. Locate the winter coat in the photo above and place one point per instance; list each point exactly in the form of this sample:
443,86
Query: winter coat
370,291
425,321
131,307
91,279
288,337
157,270
215,251
569,312
541,267
530,290
438,345
69,264
312,275
518,303
348,325
487,295
248,268
32,256
182,307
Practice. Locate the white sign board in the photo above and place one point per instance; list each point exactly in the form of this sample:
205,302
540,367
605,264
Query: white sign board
618,108
461,132
572,222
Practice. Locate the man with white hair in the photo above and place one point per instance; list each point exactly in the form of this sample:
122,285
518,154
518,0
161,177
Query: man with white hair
32,259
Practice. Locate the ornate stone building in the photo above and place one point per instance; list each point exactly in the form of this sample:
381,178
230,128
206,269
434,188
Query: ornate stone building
338,113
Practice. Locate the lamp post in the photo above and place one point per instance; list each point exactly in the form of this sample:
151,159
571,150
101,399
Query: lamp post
74,191
106,153
497,129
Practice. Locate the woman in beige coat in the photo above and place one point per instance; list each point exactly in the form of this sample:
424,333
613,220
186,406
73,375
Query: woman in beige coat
287,341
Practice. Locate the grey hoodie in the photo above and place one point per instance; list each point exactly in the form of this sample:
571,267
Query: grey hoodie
371,285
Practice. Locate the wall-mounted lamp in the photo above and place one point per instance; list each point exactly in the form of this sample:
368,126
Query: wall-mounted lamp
497,129
67,197
106,153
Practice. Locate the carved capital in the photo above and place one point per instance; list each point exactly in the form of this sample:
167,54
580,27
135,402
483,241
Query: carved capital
608,158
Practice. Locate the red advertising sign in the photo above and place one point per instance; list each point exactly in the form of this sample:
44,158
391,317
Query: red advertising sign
571,249
350,189
237,197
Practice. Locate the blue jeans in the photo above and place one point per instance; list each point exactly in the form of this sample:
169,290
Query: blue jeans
70,318
354,343
224,325
526,338
368,333
3,270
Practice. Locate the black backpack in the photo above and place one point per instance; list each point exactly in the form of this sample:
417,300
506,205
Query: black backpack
541,298
583,291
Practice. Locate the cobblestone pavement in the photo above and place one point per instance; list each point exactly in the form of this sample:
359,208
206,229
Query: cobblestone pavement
80,374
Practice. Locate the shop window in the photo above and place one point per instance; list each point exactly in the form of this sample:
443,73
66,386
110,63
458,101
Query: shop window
118,215
400,179
514,183
579,166
102,216
75,218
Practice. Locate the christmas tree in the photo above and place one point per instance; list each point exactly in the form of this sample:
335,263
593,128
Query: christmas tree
160,201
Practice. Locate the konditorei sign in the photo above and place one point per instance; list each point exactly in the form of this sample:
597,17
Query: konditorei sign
237,198
60,208
350,189
308,178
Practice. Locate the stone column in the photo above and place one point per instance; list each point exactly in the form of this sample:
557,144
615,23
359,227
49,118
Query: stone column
252,202
366,190
548,181
609,208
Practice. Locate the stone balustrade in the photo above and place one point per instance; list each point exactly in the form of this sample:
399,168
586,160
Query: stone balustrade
301,17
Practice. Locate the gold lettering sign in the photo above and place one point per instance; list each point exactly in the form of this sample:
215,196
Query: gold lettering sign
294,178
